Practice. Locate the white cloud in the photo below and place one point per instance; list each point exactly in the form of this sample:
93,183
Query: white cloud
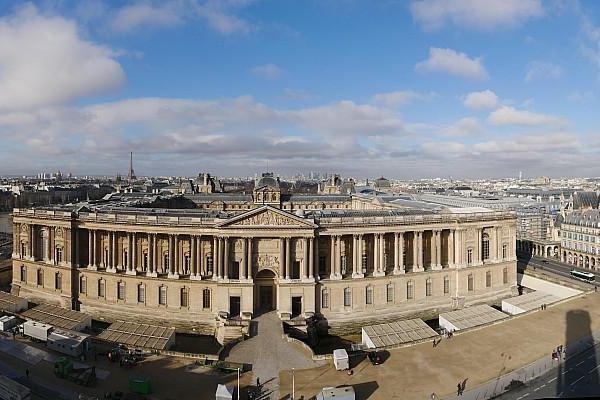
444,148
453,63
220,18
538,70
297,94
581,96
132,17
399,98
484,100
270,71
511,116
476,14
549,142
463,127
43,61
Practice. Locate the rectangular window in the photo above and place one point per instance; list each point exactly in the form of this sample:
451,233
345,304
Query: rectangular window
446,285
428,287
206,298
322,265
364,264
145,262
470,282
83,285
184,297
186,263
162,295
369,295
324,298
121,290
410,292
488,278
101,288
40,277
504,252
166,262
235,270
343,262
209,265
23,273
58,281
295,270
347,297
505,276
486,249
469,256
141,294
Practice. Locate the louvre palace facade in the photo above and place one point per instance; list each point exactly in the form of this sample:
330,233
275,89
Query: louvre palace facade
228,257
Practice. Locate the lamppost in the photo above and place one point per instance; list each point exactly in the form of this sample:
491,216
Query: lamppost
238,371
293,384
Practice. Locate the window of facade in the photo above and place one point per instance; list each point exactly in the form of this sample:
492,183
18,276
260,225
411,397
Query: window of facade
505,275
59,255
470,282
469,256
185,297
166,261
410,290
364,264
125,259
145,262
23,273
83,285
295,270
322,265
23,250
40,277
446,284
209,265
58,281
324,298
101,288
206,298
141,293
121,290
389,293
347,297
343,264
162,295
485,246
235,270
187,264
428,287
488,278
369,294
504,252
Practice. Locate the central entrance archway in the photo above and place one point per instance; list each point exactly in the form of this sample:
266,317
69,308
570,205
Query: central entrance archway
265,291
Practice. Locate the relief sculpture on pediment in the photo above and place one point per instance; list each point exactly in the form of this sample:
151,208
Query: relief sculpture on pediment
267,218
266,261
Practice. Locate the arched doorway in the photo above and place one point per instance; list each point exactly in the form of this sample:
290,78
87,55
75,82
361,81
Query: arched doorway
265,291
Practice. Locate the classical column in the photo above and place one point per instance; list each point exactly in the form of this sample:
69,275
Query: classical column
90,250
479,257
317,258
332,257
192,256
396,256
288,265
338,257
282,258
132,266
495,253
216,251
354,255
375,254
249,259
226,257
311,258
459,257
48,256
31,245
451,248
437,250
399,251
151,271
418,251
304,265
243,260
380,270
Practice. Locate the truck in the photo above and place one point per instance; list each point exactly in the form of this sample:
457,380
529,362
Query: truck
7,322
36,330
340,359
339,393
64,368
12,390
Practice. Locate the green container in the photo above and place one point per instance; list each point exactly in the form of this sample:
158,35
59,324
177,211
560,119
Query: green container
139,384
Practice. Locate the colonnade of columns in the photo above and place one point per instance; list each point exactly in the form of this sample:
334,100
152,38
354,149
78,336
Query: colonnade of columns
46,248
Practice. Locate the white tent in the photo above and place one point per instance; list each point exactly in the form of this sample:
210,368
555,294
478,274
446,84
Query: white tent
224,393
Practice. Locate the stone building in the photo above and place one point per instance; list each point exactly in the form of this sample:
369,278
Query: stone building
327,255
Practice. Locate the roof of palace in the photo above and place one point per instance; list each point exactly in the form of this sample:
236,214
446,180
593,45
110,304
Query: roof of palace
585,200
589,218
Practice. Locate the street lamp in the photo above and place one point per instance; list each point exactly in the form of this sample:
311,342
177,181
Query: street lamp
293,384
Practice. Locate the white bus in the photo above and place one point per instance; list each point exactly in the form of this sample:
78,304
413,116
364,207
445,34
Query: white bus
583,276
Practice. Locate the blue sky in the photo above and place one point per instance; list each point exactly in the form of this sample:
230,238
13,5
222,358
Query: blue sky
404,89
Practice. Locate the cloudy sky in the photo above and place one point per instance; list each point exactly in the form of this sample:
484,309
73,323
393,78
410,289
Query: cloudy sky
404,89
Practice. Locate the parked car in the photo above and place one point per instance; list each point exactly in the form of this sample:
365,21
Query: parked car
376,357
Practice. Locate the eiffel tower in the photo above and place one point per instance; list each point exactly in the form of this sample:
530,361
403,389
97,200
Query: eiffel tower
131,176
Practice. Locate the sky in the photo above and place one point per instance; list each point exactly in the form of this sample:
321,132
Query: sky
363,88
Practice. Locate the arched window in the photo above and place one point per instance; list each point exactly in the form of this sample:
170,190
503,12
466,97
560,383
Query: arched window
324,298
428,287
141,293
206,298
389,293
82,285
184,296
347,297
410,290
485,246
369,294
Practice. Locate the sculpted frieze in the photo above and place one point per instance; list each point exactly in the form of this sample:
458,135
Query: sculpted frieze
267,218
267,261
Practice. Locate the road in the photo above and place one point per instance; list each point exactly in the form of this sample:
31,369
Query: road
556,268
578,376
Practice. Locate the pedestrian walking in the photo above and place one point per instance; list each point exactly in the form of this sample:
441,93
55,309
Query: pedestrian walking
257,381
27,373
463,385
458,389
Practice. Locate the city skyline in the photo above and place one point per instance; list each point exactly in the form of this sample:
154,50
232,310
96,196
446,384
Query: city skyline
397,89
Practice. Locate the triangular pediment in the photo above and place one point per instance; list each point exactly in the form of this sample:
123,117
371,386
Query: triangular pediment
267,216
